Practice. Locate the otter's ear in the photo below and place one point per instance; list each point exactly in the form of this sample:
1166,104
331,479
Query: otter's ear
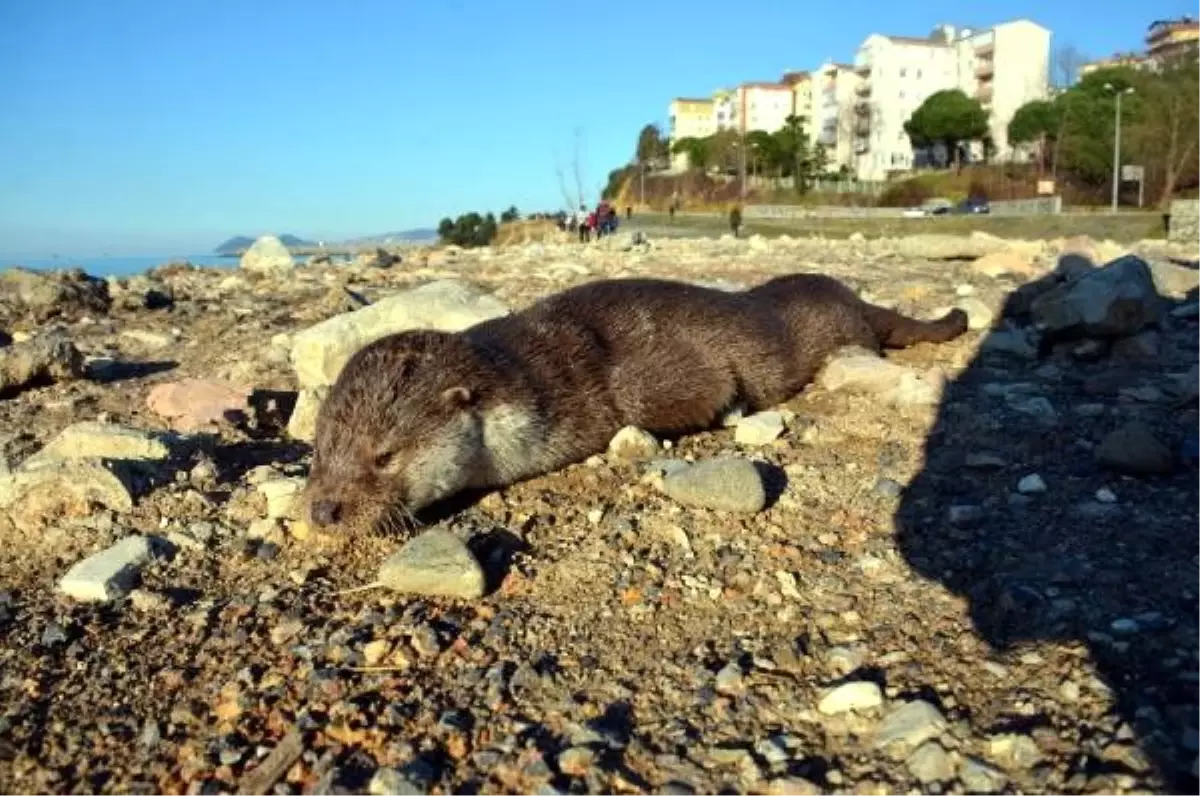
458,397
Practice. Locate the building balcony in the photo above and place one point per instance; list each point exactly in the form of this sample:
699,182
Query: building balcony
985,69
862,109
986,50
863,89
984,94
862,127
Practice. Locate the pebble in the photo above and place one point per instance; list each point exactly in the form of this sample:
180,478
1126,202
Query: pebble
1014,751
280,494
964,515
985,461
425,641
859,695
722,484
1134,449
787,584
909,725
1106,495
1032,484
434,564
576,761
760,428
109,574
633,444
730,680
843,660
979,315
979,777
390,782
793,786
888,488
931,763
1125,626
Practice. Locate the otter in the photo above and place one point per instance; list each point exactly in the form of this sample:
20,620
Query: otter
418,416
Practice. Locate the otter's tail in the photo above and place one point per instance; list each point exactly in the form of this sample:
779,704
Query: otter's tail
894,330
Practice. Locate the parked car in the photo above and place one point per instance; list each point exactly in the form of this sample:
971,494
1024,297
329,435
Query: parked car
974,204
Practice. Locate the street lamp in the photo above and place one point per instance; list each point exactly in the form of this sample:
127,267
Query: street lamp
1116,178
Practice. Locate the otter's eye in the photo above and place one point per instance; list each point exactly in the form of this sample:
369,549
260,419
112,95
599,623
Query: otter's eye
384,460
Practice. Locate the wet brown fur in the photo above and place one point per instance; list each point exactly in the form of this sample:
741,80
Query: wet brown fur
417,416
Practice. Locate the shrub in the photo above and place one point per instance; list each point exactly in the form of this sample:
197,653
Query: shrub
906,193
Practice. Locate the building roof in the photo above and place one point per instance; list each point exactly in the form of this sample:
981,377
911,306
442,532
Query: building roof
795,77
766,85
693,100
915,40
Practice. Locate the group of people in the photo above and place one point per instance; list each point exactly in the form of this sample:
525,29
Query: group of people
602,221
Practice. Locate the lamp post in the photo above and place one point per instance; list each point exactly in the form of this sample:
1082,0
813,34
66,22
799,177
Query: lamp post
1116,169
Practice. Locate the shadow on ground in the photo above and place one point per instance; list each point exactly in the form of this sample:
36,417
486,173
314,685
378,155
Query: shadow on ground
1104,559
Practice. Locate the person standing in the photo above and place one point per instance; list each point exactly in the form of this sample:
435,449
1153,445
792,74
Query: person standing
735,220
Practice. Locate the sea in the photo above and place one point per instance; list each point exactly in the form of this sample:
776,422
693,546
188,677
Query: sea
118,266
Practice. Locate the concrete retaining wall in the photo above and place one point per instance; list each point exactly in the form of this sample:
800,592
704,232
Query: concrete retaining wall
1184,226
1041,206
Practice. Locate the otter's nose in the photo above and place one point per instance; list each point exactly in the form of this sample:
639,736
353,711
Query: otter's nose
326,512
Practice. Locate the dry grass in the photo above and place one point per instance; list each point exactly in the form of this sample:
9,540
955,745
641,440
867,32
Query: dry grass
520,232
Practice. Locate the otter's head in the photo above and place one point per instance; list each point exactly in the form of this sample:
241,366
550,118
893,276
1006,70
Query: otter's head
399,430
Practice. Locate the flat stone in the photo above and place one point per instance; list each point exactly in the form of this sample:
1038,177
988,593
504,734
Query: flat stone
722,484
1004,262
860,695
1009,341
390,782
49,358
1014,752
759,428
633,444
94,440
862,372
1134,449
193,404
576,761
434,564
320,352
109,574
730,680
979,777
907,726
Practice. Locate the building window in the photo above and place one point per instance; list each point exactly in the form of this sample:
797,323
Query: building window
918,74
901,94
903,71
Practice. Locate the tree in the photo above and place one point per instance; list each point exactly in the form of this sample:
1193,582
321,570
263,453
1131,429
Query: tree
652,147
1036,123
1164,136
469,229
761,151
1065,64
510,215
696,150
949,118
797,156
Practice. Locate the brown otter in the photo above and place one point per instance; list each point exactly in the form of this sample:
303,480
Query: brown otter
418,416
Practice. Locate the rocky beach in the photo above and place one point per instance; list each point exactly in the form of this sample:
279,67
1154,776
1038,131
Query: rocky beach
962,568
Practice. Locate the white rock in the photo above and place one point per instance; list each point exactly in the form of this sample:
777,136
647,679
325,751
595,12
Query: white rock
979,315
759,428
302,425
319,352
94,440
434,564
908,726
633,444
108,574
859,695
931,763
281,494
267,255
1031,484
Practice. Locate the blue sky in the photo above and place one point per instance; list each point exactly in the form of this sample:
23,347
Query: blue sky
132,126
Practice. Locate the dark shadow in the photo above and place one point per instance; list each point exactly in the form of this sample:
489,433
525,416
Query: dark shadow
451,506
270,411
234,461
774,481
495,551
1116,570
109,371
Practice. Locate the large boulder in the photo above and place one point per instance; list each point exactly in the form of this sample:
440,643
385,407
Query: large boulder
1117,300
268,255
319,352
42,295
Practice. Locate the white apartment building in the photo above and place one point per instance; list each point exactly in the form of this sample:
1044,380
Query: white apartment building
1003,67
753,106
834,96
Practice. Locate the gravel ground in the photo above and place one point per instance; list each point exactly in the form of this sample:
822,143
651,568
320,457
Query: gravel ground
968,596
